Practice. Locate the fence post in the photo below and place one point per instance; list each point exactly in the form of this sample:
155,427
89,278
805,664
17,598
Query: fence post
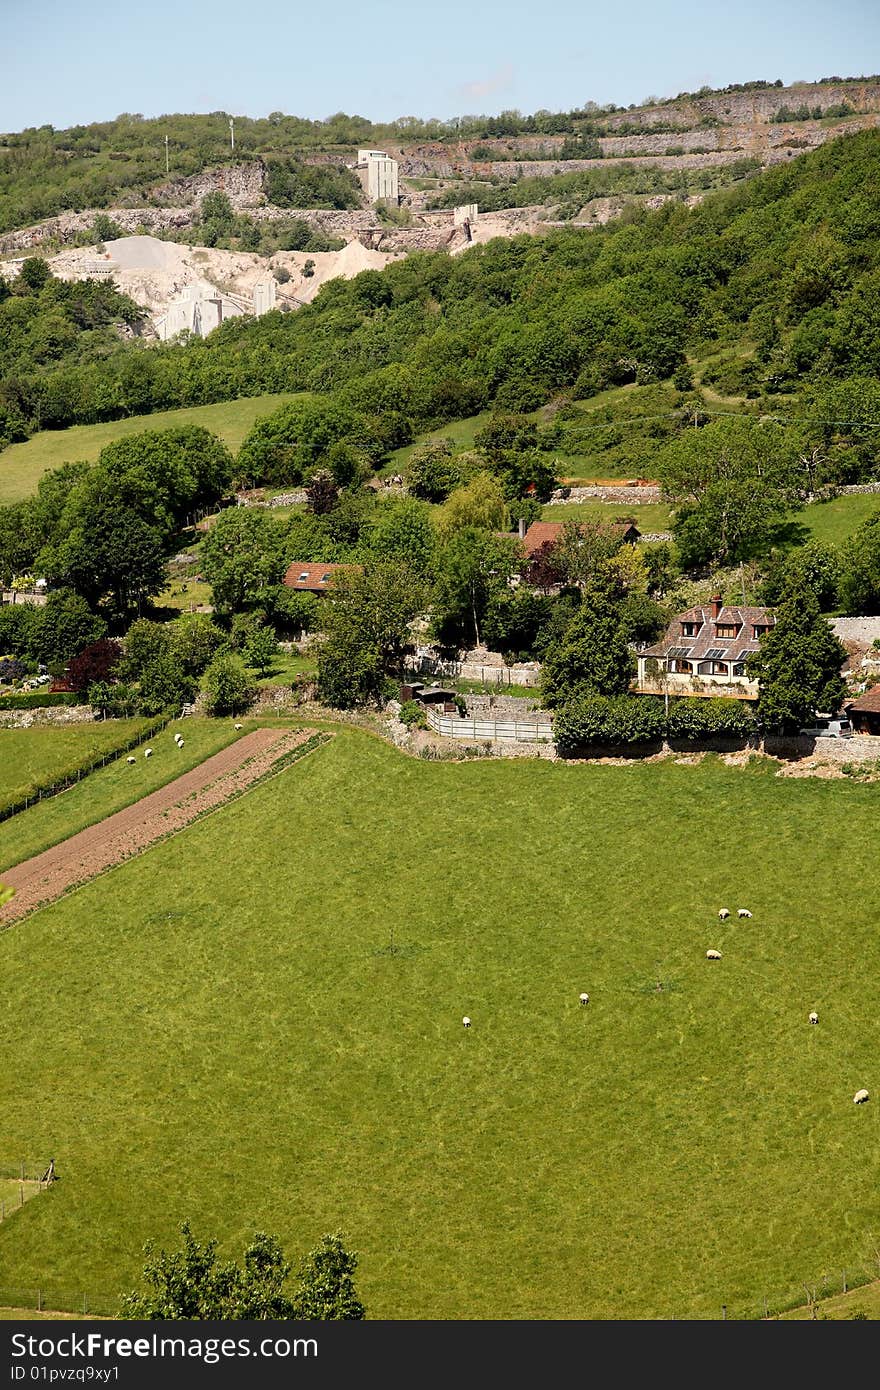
844,1281
39,1300
724,1312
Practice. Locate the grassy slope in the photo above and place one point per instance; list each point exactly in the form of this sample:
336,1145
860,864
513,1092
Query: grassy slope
222,1041
109,789
834,521
31,757
22,465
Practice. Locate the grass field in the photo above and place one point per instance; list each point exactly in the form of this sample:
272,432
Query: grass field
108,789
832,522
218,1031
648,516
30,758
22,465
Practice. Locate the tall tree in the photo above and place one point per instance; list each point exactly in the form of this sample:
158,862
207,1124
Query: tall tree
366,620
593,654
798,665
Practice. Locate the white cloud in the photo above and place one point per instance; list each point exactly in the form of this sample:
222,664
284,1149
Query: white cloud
488,86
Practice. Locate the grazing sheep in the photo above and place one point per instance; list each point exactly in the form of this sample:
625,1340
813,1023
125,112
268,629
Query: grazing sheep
585,999
131,760
743,912
713,955
466,1021
814,1017
239,726
148,752
724,914
180,743
860,1097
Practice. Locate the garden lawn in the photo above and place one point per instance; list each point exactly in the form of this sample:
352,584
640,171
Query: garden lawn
31,758
219,1032
109,788
22,465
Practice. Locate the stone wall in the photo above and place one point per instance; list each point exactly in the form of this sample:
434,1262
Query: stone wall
52,714
859,748
866,630
627,495
515,707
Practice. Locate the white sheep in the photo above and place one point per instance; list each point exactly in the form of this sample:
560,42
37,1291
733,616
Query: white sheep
713,955
178,738
148,752
743,912
814,1017
466,1021
131,760
180,743
239,726
724,914
860,1097
585,999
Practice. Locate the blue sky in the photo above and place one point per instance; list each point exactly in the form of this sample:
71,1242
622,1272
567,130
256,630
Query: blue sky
64,62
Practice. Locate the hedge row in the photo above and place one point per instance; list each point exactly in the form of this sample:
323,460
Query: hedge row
40,699
634,719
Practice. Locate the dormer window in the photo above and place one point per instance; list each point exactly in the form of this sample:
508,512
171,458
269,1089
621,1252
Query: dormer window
760,629
726,629
689,629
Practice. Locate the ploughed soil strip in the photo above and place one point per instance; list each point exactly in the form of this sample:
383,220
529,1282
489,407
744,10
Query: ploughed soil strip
128,832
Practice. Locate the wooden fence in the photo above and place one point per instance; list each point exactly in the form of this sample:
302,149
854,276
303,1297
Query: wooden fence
495,730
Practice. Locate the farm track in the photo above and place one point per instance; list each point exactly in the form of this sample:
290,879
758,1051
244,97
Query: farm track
90,852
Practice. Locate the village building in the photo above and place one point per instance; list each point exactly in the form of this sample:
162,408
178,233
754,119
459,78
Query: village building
704,652
864,713
311,578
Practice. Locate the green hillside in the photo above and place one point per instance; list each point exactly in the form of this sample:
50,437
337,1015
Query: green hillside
22,465
267,1033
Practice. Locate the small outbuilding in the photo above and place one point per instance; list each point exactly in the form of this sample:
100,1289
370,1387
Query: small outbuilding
864,713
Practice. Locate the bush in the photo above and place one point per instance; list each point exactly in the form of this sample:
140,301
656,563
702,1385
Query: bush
39,699
412,714
633,719
608,719
698,719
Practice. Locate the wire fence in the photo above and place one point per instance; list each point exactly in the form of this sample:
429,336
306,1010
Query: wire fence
62,784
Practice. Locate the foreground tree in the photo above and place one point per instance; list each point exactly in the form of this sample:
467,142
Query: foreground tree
367,625
798,665
227,686
191,1283
593,654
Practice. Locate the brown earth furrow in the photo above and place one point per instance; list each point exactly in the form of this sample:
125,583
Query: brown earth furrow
128,832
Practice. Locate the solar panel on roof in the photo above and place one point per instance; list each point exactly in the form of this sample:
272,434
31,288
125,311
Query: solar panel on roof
715,654
678,652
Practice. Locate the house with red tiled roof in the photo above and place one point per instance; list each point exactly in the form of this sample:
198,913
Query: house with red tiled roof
548,533
311,578
704,652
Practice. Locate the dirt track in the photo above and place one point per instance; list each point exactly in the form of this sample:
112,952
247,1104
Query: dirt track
48,875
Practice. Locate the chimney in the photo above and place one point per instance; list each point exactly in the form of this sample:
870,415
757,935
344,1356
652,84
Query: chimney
716,606
522,528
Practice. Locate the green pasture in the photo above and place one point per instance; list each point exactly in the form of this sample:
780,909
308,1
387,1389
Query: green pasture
22,465
257,1025
30,758
834,522
109,788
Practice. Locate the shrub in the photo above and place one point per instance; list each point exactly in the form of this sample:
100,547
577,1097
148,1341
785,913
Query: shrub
412,714
697,718
39,699
603,719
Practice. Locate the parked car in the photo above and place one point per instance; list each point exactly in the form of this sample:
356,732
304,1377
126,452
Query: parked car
829,728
